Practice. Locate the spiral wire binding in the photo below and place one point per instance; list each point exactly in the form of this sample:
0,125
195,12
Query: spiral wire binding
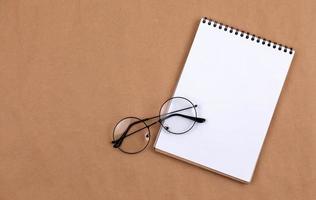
247,35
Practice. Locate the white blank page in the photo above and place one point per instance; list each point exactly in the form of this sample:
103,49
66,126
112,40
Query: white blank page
236,83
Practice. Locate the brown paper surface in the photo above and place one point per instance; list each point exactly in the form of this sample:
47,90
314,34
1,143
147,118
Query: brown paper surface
69,70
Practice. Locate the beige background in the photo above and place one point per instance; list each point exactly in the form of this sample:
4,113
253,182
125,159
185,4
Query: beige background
69,70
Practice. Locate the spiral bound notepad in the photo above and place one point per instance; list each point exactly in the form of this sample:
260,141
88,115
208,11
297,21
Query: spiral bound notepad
236,79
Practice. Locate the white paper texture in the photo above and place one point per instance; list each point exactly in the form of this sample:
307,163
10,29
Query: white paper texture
236,83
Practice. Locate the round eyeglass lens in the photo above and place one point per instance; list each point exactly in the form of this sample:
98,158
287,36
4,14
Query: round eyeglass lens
137,135
176,115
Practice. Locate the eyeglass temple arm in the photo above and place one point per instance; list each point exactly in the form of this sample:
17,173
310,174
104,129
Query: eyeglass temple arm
117,143
196,119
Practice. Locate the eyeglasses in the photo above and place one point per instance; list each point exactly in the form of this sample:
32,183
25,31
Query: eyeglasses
177,115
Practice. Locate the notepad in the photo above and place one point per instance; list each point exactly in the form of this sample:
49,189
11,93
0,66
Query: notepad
235,78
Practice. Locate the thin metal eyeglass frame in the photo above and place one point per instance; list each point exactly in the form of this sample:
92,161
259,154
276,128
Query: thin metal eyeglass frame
117,143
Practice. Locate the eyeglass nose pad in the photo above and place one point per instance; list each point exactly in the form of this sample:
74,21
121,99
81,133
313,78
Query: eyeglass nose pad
165,127
147,137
